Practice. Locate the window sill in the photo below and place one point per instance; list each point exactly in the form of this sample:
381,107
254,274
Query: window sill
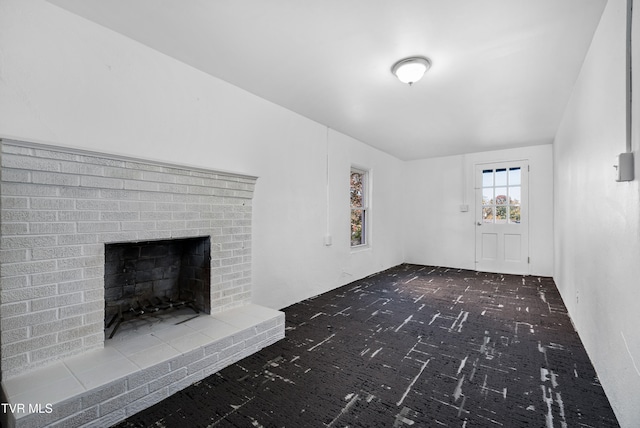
360,248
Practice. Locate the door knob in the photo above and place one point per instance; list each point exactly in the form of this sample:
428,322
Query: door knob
479,224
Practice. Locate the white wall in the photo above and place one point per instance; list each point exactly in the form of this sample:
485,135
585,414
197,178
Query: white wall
67,81
438,233
597,237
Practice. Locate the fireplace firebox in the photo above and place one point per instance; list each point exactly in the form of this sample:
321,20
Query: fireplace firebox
143,279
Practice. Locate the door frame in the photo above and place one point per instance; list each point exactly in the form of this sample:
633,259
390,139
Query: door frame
502,266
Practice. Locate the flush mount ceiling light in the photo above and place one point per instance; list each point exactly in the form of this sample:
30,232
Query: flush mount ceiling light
410,70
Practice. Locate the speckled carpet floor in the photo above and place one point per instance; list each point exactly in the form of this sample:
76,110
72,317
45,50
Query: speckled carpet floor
413,346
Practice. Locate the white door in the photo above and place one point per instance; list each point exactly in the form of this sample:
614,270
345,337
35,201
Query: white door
502,231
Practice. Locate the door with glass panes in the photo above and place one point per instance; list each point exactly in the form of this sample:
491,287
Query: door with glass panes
502,232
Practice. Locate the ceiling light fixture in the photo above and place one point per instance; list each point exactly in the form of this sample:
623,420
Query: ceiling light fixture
410,70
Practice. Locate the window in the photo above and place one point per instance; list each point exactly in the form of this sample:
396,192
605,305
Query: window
359,207
501,195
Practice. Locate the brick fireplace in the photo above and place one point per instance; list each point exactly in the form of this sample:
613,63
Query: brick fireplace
65,213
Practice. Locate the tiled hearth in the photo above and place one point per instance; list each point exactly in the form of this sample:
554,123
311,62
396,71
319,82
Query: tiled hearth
60,208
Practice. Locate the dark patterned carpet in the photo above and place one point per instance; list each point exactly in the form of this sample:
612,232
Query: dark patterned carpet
412,346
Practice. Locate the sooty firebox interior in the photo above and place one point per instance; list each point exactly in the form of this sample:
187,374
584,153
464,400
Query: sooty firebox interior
143,278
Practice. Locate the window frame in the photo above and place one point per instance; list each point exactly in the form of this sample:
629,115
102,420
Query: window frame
365,208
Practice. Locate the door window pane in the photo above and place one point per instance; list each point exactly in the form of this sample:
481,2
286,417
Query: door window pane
501,195
487,178
514,177
487,214
514,214
501,177
514,195
487,196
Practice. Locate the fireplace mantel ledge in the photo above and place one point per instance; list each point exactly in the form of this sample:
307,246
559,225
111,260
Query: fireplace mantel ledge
104,386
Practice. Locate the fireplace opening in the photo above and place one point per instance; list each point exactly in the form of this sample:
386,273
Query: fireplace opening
153,279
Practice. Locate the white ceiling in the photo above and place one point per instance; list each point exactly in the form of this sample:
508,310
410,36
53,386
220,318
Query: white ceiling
502,71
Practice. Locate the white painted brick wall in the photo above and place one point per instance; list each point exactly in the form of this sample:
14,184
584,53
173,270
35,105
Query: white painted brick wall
58,209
